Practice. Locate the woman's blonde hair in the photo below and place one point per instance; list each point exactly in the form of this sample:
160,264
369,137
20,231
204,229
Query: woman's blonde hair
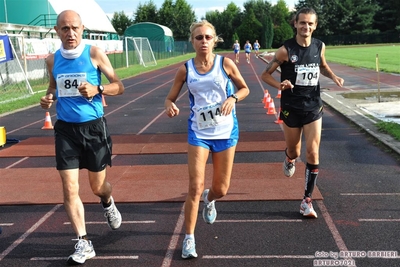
202,23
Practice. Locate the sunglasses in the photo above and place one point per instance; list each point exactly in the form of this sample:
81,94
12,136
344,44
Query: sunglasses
201,37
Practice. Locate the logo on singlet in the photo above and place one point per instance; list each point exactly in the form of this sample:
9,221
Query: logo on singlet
193,80
294,58
218,81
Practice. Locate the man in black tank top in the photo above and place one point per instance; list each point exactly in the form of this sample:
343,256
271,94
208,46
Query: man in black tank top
302,60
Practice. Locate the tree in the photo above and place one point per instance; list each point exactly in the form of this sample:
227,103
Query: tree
280,17
268,34
250,28
282,33
120,22
165,12
363,17
226,23
183,16
387,17
146,13
262,11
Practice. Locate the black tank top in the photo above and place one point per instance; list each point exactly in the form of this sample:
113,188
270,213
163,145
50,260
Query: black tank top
302,69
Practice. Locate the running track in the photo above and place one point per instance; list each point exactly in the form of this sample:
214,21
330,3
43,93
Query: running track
258,222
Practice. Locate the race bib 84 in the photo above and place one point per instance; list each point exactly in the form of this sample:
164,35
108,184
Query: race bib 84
67,84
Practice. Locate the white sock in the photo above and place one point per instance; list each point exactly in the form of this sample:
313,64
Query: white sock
191,236
206,201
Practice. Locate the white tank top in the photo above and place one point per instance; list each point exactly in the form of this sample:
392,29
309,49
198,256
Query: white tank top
207,92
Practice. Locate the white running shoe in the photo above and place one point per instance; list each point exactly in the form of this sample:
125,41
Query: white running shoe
306,208
189,249
114,218
289,167
209,211
83,251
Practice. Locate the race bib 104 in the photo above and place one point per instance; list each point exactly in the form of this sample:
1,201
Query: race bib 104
307,76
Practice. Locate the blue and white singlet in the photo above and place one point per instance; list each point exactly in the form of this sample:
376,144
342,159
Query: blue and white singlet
207,92
69,73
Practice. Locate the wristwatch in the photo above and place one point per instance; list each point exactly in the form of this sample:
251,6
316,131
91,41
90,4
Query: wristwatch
100,88
235,97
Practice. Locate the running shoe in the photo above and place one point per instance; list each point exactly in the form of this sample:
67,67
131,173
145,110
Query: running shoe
114,218
189,249
288,167
306,208
83,251
209,211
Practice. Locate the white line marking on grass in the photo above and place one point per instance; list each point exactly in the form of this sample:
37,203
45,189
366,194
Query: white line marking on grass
27,233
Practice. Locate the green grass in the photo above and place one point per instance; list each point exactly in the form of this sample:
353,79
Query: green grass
390,128
387,57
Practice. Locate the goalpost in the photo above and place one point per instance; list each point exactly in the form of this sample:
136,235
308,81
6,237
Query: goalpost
14,84
141,47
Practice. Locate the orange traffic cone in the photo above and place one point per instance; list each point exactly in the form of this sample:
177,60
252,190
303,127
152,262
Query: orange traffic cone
279,94
279,121
267,101
271,108
47,122
265,96
103,99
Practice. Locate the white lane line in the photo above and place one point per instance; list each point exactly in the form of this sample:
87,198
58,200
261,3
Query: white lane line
324,93
174,239
256,221
124,222
27,233
152,78
17,162
6,224
258,79
137,98
332,227
95,258
370,194
259,257
158,116
365,117
379,220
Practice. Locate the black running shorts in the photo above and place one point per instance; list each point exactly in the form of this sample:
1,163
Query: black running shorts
297,119
83,145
